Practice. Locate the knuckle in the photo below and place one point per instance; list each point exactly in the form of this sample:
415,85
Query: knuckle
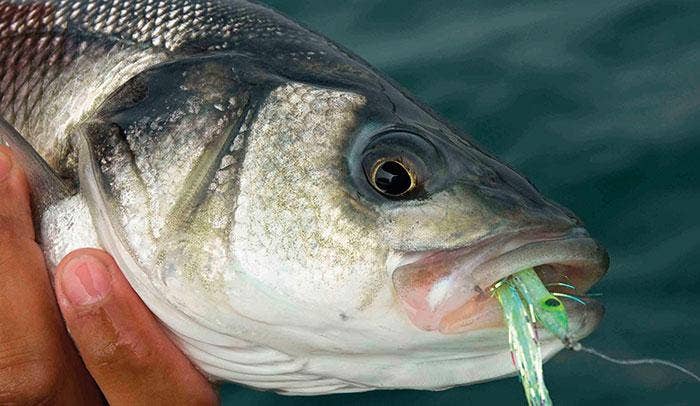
17,252
125,355
7,228
11,240
28,377
15,224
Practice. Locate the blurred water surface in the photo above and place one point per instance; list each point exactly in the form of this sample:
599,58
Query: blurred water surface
598,103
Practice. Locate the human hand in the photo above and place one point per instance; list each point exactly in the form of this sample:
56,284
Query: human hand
123,354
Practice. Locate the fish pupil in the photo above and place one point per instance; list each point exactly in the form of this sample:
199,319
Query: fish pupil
551,302
392,178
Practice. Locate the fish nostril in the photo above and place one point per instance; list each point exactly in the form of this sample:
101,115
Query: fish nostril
493,180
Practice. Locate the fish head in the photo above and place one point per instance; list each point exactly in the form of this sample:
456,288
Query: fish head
340,223
383,229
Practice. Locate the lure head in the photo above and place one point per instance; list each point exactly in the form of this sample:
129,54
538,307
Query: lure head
551,313
544,307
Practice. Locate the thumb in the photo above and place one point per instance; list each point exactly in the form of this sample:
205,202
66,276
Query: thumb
123,346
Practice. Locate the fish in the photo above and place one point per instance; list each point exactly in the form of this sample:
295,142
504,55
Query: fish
297,220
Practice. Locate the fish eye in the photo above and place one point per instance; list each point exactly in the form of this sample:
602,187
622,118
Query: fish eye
552,302
392,178
399,165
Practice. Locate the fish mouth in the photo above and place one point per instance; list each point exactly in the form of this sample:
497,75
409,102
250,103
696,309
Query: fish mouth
450,290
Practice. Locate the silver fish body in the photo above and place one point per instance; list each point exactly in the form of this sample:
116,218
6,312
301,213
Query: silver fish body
298,221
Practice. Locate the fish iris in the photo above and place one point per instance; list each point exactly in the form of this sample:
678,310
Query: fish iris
392,178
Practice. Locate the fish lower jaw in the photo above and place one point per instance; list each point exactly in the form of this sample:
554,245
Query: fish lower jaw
379,373
450,291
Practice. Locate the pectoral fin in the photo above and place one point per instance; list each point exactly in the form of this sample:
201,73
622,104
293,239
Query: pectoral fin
45,185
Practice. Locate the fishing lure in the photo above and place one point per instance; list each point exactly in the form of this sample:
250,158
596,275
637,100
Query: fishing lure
525,348
525,300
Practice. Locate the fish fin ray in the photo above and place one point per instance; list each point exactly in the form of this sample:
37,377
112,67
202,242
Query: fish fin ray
45,185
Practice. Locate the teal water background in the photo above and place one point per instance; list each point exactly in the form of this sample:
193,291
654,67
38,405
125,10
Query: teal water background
598,103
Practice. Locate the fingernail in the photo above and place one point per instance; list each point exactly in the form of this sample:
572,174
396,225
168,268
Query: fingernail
5,165
85,281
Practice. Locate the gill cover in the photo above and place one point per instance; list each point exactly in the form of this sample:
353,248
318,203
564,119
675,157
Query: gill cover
164,149
158,164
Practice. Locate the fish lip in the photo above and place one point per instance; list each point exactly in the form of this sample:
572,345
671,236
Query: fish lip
462,277
580,251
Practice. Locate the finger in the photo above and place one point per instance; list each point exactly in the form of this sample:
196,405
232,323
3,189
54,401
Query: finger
125,348
15,212
38,363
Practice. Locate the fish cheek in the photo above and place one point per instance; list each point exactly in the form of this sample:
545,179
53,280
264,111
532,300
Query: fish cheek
299,230
448,219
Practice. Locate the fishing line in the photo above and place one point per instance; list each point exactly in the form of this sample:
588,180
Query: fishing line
640,361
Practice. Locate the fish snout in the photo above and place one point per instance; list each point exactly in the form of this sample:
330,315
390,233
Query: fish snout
513,199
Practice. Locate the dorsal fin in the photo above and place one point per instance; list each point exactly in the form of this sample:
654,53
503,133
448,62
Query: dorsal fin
45,185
